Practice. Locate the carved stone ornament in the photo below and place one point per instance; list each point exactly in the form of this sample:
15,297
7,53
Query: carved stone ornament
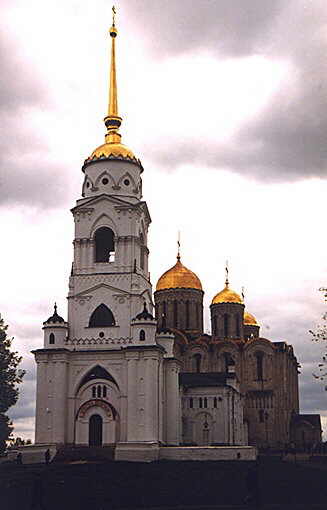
95,403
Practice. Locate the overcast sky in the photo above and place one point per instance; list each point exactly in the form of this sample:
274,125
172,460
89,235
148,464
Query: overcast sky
223,101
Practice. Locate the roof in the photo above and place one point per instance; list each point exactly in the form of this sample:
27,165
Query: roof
195,379
313,419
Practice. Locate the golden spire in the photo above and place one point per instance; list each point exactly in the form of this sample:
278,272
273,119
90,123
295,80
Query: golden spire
226,273
179,246
112,120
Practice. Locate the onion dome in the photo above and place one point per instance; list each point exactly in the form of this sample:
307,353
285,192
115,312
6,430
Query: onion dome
144,315
55,318
249,319
227,295
112,148
178,277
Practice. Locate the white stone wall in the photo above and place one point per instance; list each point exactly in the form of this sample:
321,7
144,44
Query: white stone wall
208,424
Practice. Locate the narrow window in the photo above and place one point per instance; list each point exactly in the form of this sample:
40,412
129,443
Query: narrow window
200,402
94,392
51,338
228,361
175,314
259,358
191,403
261,416
187,310
104,391
215,325
237,326
99,391
101,317
215,402
197,362
164,314
142,335
226,325
141,251
205,402
104,245
197,315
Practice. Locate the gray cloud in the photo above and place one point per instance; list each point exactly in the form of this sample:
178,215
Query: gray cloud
26,167
287,140
232,29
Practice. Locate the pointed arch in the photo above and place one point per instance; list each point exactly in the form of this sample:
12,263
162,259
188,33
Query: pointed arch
103,221
96,372
104,174
128,176
102,316
87,184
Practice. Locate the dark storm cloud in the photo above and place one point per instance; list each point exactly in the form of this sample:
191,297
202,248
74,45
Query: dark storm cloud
287,140
26,168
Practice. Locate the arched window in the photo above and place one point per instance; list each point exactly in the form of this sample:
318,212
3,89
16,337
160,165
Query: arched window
142,335
104,245
164,315
197,315
187,310
197,362
191,403
215,402
99,391
51,338
261,416
141,251
200,402
101,317
94,392
175,314
104,391
237,321
205,402
226,325
259,359
215,325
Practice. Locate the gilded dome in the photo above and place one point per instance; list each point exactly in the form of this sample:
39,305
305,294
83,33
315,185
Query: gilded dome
179,277
108,150
249,319
227,295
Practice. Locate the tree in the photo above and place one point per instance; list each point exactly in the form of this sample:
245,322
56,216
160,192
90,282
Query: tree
10,377
320,335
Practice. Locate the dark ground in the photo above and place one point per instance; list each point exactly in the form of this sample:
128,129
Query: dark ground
196,485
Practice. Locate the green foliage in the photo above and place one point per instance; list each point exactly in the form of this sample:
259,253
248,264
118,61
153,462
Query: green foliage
10,377
6,429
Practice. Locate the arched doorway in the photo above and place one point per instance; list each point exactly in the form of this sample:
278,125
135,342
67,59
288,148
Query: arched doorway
95,430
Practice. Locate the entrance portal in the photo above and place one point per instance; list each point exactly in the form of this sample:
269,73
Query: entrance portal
95,430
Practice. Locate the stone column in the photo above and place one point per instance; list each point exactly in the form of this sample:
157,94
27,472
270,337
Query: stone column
173,411
59,399
151,399
41,419
132,421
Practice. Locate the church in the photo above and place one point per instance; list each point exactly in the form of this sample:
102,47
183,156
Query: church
135,371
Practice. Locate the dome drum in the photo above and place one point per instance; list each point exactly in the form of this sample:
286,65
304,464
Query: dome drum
227,320
251,331
179,309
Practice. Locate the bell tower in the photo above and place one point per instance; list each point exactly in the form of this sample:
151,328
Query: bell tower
109,280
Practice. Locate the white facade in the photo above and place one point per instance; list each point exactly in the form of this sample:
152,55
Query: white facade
105,377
